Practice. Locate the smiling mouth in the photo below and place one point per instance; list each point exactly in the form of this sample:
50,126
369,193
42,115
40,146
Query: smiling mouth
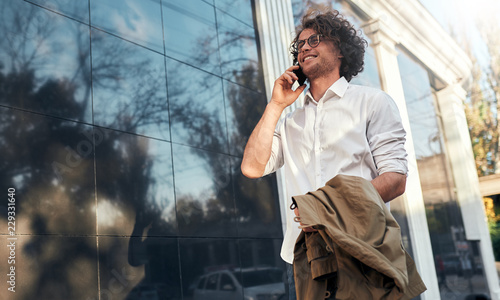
308,57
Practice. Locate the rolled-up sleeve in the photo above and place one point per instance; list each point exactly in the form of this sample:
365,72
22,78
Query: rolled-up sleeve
276,160
386,135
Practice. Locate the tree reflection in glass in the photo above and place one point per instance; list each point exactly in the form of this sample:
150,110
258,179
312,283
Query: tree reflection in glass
112,163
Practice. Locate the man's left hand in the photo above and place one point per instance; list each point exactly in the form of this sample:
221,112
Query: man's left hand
305,229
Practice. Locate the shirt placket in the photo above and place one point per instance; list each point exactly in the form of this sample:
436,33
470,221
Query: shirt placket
317,144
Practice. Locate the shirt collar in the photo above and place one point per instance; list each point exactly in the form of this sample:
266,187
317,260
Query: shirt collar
338,88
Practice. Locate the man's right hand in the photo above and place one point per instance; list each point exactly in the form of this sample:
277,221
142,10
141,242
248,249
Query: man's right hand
283,95
259,145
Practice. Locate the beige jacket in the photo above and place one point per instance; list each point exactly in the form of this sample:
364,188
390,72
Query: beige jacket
357,247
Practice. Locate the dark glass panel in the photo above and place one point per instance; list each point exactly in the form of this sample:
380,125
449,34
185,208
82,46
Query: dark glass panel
238,9
44,62
138,21
51,267
137,268
244,109
191,34
238,50
129,87
204,193
75,9
204,262
257,205
196,107
49,162
134,185
263,271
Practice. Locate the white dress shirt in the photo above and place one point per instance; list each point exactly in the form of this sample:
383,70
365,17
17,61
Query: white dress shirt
352,130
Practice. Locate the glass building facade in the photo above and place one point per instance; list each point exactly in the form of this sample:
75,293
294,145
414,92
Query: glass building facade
123,126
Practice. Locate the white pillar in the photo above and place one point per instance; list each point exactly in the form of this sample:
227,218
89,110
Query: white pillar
456,132
383,43
276,29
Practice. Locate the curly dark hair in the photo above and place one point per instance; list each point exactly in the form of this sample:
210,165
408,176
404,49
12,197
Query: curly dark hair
333,26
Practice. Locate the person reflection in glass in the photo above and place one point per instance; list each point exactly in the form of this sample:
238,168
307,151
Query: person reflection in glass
159,256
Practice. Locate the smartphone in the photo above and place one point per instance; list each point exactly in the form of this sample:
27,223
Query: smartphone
300,75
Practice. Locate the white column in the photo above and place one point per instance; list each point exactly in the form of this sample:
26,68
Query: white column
276,31
383,43
458,142
275,27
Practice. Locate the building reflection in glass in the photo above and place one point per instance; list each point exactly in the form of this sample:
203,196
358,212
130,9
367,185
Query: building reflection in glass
457,260
125,157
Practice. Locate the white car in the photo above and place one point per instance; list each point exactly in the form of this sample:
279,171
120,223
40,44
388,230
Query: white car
249,284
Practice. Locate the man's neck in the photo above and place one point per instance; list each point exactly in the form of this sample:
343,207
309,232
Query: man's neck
319,86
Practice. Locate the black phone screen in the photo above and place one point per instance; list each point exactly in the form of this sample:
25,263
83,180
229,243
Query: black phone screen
300,75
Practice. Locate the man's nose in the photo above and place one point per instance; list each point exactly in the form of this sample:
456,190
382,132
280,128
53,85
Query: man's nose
305,48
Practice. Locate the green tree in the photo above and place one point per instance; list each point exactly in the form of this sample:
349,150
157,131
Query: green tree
483,124
482,104
490,30
482,110
492,213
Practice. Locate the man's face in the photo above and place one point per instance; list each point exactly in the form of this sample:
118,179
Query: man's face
320,61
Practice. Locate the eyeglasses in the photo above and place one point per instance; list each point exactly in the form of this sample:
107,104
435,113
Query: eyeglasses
313,41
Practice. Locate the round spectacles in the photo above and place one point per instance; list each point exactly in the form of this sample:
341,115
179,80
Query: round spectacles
313,41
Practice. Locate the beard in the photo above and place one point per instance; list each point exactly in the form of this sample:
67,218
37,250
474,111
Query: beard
323,68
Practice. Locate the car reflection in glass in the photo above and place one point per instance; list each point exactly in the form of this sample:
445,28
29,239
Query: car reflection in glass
264,283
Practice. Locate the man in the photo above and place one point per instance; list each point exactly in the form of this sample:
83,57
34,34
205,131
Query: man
341,129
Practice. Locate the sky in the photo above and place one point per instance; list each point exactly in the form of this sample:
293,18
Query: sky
459,14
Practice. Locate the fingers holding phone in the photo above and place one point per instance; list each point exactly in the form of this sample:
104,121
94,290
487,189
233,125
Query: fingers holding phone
283,93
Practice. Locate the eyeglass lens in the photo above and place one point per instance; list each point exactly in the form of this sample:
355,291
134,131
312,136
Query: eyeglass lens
313,41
